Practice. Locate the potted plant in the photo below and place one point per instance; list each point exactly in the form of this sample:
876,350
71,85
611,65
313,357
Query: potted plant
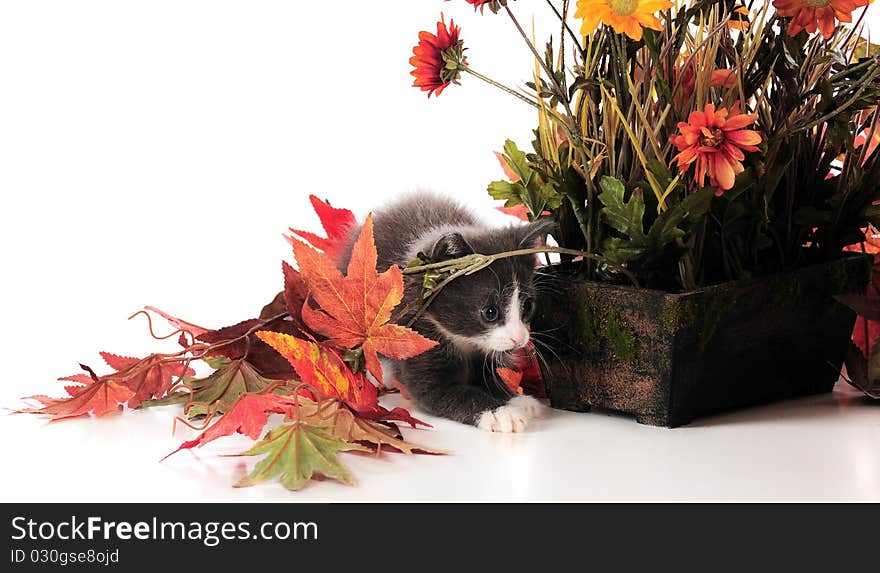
708,165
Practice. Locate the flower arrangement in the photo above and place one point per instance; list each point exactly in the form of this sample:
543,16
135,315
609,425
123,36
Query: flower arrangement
688,143
691,142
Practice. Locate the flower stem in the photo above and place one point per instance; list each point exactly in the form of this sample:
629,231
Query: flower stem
562,18
500,86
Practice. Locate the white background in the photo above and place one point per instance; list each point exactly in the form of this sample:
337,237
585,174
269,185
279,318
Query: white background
154,152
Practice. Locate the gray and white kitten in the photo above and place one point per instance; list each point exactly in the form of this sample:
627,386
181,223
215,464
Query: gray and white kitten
478,320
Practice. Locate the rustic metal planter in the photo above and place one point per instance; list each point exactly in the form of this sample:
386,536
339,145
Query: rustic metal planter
670,358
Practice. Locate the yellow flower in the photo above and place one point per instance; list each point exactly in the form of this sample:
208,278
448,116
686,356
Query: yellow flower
625,16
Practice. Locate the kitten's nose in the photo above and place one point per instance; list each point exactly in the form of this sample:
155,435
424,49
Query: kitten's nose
520,340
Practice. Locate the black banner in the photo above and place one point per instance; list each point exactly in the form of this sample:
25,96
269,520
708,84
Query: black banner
409,537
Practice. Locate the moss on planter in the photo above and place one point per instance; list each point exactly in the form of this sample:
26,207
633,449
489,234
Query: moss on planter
677,313
587,321
619,335
596,322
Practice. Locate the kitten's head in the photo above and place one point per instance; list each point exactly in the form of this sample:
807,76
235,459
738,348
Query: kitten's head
490,310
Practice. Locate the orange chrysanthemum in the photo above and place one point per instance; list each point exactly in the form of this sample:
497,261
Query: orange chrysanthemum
811,15
715,142
625,16
431,56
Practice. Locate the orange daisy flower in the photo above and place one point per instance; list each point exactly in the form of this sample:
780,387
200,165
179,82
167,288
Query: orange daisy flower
811,15
715,142
625,16
436,58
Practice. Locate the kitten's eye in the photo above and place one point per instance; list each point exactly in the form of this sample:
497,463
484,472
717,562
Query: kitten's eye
490,313
528,307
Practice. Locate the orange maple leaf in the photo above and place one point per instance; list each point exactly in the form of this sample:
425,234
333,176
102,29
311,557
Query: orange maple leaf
322,367
100,397
355,309
511,378
318,365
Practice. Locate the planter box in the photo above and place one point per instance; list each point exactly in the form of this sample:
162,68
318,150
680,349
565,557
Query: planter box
670,358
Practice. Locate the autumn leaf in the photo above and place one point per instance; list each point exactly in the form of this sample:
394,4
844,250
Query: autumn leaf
248,416
336,223
342,423
238,341
525,360
295,292
296,451
511,378
219,390
521,212
355,310
318,365
148,378
322,367
99,397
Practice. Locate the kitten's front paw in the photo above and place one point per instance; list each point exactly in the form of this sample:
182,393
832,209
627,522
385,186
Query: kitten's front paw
504,419
528,405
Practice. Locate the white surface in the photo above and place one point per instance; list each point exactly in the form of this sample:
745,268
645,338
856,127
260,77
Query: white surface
154,152
816,448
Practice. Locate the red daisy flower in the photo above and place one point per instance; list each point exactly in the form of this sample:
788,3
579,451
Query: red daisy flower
437,59
716,143
811,15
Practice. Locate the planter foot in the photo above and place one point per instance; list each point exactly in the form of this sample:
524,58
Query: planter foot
653,420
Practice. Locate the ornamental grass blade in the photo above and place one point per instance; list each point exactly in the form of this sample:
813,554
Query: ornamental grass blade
296,452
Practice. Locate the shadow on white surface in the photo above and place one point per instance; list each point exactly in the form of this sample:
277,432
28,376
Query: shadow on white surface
817,448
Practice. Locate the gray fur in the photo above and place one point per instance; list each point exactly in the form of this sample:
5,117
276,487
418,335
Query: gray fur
454,380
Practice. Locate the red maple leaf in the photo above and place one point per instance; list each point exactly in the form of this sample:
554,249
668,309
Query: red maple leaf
99,397
525,375
248,415
355,310
336,222
148,378
295,293
235,343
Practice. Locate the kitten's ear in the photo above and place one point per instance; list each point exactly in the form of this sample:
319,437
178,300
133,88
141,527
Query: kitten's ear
450,246
535,233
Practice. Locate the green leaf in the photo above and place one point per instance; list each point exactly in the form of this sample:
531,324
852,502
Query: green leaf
660,172
221,388
694,207
621,215
296,452
517,162
507,191
619,251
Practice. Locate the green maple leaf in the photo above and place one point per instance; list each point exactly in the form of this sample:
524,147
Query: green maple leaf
221,388
297,451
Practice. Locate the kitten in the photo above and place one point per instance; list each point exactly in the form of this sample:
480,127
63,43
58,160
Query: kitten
478,320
